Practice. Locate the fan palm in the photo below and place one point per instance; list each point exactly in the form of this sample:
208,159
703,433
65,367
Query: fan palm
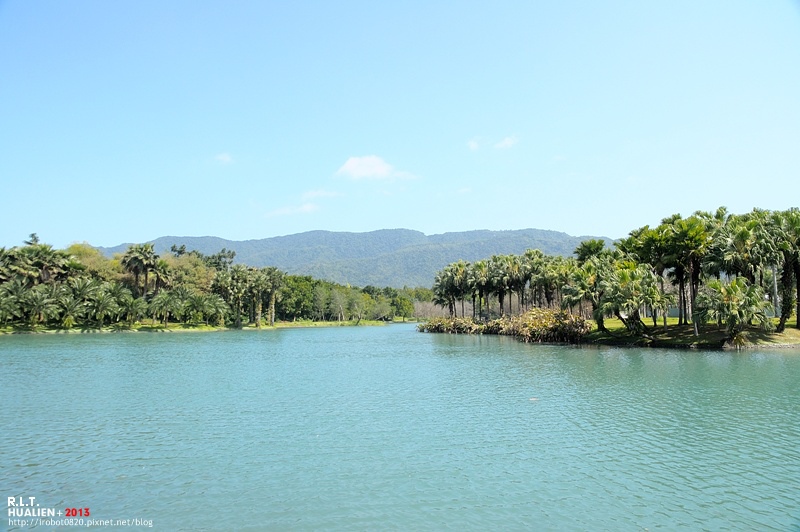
735,304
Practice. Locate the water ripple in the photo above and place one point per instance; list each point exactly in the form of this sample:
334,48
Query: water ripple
383,428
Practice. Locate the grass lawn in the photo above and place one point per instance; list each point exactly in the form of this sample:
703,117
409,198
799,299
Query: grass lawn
711,336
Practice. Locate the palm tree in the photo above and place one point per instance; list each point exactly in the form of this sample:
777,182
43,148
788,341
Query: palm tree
588,248
180,297
688,245
83,289
162,305
786,227
444,290
217,308
102,306
239,285
116,291
626,290
39,305
650,246
163,275
48,263
480,279
736,304
258,288
9,307
140,259
276,281
587,284
132,308
133,262
460,278
501,280
71,310
149,259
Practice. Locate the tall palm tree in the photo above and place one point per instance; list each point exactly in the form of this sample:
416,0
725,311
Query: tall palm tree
501,280
688,244
149,259
163,275
480,279
133,262
460,279
140,259
276,279
786,227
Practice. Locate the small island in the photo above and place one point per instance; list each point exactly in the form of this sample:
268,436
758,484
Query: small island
710,280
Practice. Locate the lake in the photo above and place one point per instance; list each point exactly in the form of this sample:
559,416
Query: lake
375,428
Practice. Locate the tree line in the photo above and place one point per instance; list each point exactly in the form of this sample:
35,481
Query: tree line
79,287
732,270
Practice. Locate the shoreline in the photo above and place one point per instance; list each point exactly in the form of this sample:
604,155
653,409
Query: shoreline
202,328
711,338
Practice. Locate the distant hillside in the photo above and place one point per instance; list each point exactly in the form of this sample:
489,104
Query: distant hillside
388,257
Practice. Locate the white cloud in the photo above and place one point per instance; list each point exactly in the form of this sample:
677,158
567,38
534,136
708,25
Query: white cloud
320,193
305,208
465,190
506,143
473,144
224,158
371,167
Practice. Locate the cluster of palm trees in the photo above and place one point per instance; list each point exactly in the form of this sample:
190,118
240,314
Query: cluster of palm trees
44,287
247,290
535,278
700,266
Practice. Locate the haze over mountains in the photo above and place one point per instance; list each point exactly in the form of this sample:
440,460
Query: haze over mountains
387,257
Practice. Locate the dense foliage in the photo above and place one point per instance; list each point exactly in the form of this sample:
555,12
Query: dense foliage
79,287
535,325
719,268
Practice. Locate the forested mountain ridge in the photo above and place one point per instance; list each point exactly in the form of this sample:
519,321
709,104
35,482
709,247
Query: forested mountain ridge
387,257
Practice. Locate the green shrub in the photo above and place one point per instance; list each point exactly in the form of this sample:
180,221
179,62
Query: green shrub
536,325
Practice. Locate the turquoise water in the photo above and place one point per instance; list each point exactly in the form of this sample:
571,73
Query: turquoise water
375,428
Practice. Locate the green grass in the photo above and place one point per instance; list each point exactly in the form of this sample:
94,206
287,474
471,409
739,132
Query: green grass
710,337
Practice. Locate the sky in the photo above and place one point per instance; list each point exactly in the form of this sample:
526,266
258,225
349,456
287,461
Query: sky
124,121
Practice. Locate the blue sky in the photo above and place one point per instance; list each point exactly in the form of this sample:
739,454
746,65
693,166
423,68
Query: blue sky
125,121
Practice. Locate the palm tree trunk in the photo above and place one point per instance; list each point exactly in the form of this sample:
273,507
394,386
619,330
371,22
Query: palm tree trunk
692,292
775,289
797,290
272,309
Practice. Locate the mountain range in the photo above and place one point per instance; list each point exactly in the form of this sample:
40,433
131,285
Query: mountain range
387,257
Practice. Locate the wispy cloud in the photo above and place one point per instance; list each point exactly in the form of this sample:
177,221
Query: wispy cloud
473,144
371,167
320,193
506,143
224,158
305,208
464,190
